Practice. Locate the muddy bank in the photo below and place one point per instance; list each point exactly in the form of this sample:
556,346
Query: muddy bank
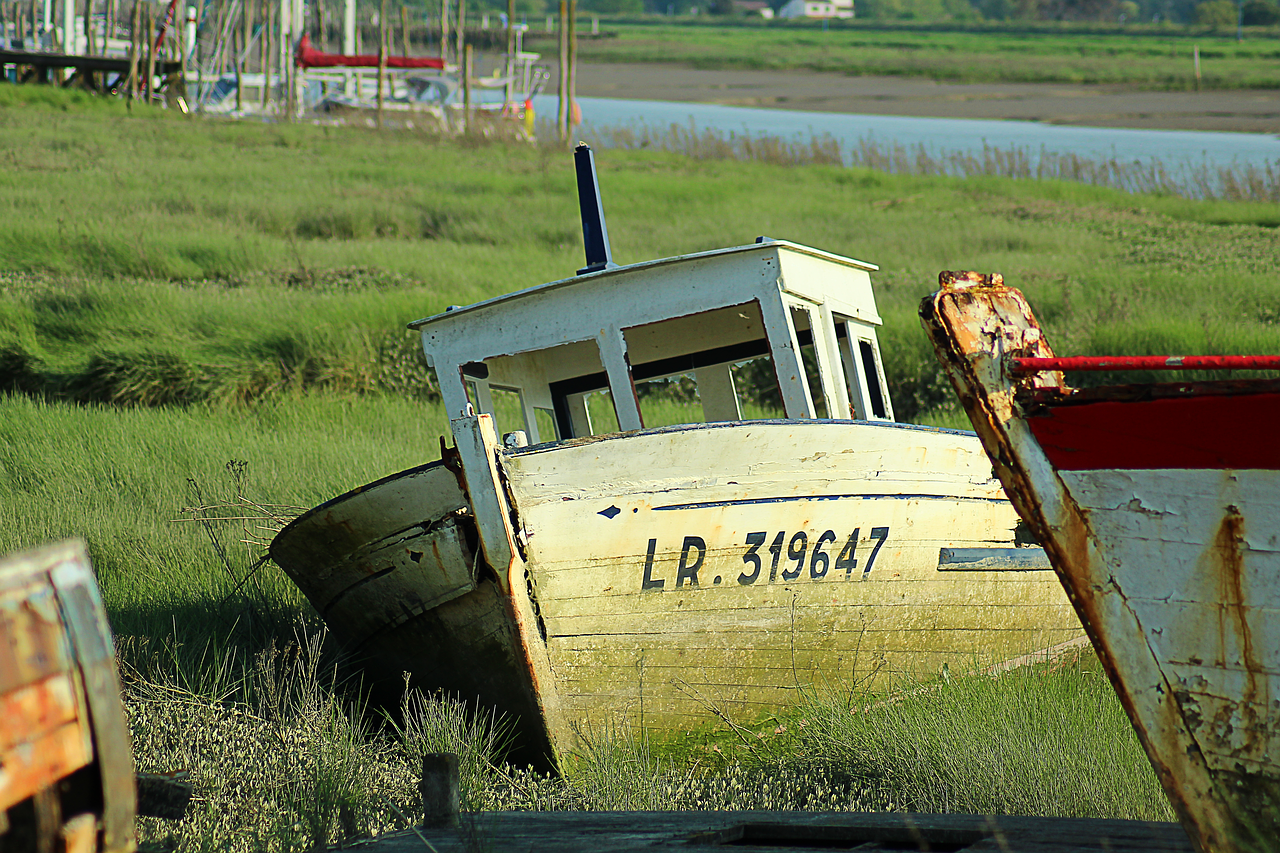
1249,111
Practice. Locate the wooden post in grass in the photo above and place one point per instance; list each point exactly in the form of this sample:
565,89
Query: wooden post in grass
562,84
439,789
382,56
1196,53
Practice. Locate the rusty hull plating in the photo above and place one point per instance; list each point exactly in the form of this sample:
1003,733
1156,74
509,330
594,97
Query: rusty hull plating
1171,566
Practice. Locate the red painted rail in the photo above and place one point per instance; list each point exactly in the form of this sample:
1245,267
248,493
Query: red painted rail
1147,362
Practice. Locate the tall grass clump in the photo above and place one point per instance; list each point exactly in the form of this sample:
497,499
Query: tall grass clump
285,756
1049,739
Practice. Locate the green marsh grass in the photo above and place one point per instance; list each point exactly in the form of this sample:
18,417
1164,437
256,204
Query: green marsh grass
294,761
1144,56
202,333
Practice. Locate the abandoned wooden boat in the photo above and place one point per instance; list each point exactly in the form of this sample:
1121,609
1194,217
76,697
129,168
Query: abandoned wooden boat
1159,507
594,567
66,762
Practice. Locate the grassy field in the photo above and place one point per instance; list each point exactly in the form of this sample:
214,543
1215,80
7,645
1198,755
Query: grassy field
1147,57
202,332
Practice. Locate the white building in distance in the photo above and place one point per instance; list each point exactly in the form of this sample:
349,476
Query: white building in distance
817,9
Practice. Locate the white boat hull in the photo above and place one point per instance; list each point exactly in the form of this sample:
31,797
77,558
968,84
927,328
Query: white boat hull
669,578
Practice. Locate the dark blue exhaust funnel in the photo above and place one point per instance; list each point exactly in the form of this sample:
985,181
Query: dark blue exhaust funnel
595,237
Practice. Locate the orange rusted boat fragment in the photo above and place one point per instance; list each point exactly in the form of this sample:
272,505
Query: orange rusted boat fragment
1159,507
66,765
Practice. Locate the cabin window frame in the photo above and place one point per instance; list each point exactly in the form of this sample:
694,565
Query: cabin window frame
858,372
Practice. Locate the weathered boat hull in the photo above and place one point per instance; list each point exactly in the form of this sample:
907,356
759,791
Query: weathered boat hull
672,578
393,569
1163,520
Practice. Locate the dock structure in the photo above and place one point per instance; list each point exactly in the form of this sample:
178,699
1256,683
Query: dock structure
38,67
794,832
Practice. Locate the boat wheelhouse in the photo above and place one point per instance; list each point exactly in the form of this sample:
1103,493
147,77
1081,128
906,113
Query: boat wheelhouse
579,561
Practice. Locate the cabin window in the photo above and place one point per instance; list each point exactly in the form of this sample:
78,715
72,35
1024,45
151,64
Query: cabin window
863,371
871,371
802,320
756,384
546,421
604,418
711,366
508,410
669,400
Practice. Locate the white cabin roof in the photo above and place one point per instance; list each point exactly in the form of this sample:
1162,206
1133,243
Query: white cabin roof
701,315
590,278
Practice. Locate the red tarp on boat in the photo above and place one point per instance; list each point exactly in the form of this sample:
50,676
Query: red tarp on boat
308,57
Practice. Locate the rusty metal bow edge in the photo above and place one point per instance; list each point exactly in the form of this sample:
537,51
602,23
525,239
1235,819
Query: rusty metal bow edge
976,324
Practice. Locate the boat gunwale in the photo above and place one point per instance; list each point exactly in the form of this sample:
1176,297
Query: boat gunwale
1036,398
347,495
545,446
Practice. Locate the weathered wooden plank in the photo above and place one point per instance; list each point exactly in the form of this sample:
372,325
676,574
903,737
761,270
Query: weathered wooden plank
51,755
39,708
36,645
914,613
632,832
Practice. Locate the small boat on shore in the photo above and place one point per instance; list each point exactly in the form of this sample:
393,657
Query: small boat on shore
587,555
1159,507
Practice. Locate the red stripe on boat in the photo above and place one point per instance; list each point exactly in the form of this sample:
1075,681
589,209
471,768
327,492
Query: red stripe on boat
1146,362
308,57
1183,432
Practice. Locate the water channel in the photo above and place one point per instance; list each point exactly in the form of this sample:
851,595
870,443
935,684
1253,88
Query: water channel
1179,151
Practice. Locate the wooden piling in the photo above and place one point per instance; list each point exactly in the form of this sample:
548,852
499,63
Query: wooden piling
236,47
511,53
246,38
266,54
135,29
151,51
404,30
466,89
382,56
461,30
444,30
572,73
562,85
439,785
